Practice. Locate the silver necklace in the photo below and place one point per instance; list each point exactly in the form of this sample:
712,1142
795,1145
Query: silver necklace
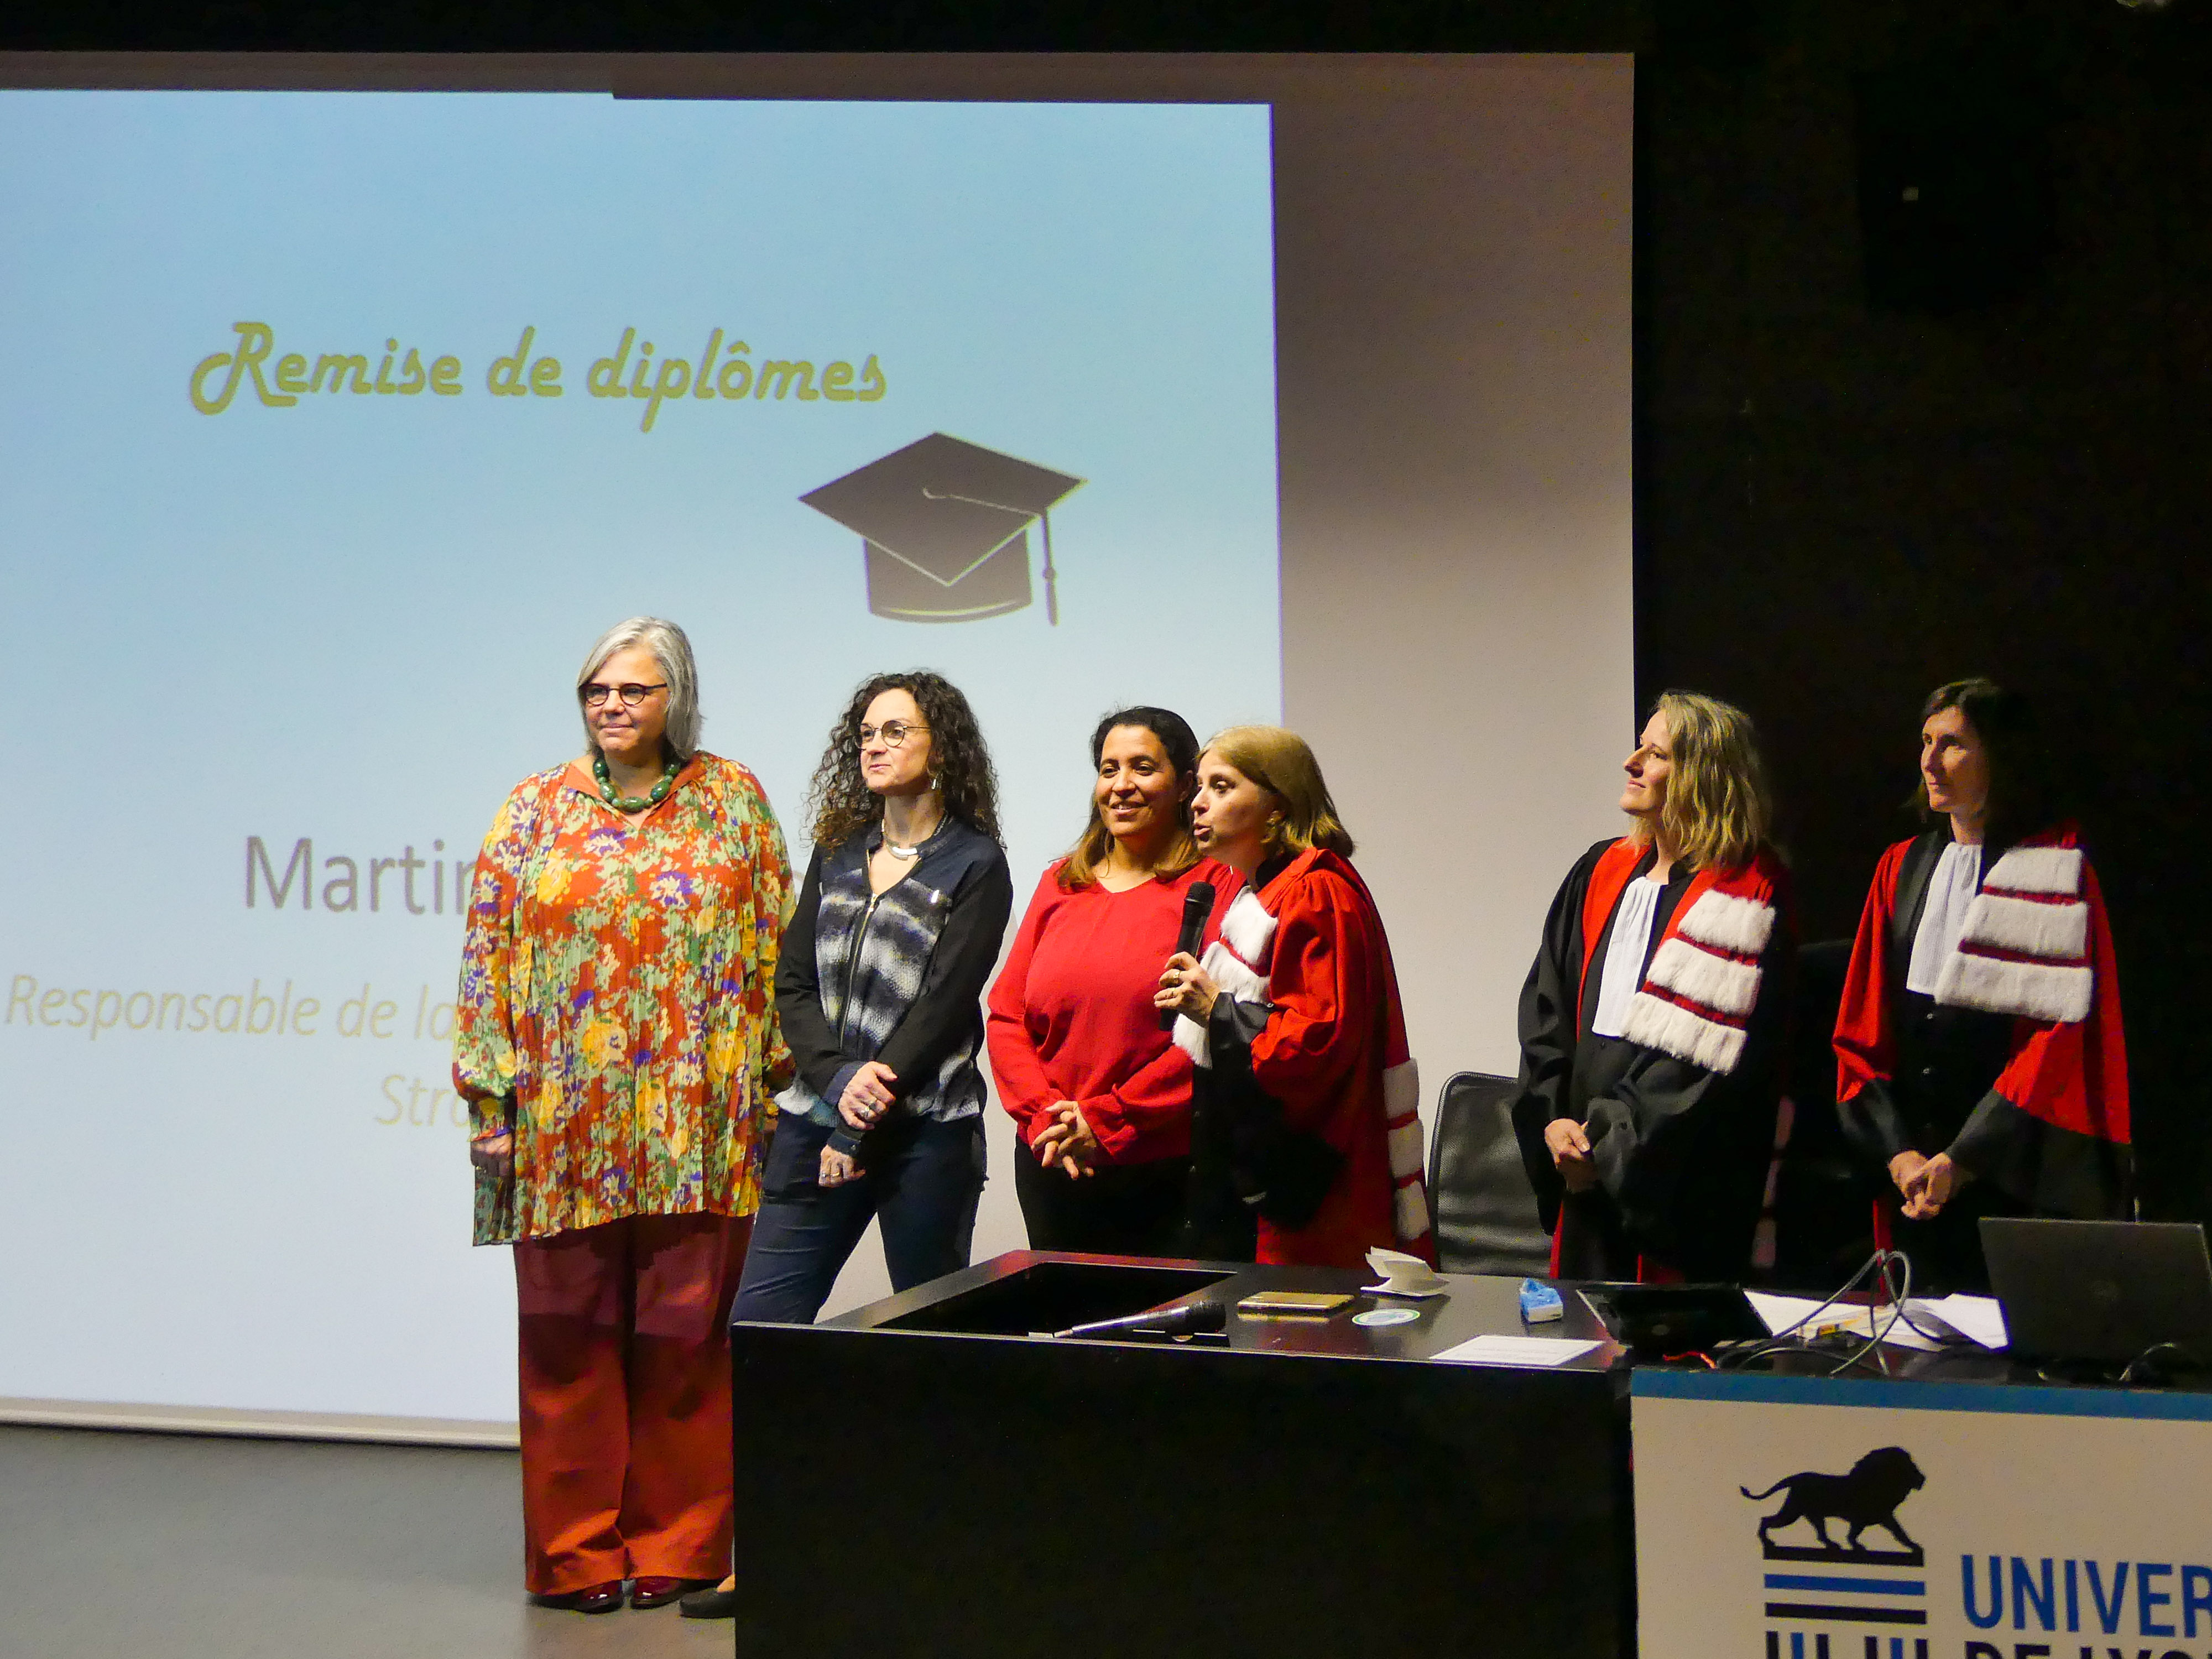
914,851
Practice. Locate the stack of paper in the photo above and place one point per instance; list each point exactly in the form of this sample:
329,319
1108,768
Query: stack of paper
1941,1320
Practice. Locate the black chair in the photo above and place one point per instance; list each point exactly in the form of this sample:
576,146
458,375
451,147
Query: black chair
1484,1213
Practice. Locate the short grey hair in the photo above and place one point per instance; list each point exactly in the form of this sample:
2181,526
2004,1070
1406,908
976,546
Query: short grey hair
672,651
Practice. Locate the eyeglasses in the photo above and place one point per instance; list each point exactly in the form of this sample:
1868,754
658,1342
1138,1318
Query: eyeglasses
595,695
893,732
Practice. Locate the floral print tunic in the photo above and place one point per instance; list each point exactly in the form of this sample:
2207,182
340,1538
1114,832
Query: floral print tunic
618,1004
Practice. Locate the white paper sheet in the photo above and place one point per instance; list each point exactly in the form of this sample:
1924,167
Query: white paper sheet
1516,1351
1975,1317
1781,1312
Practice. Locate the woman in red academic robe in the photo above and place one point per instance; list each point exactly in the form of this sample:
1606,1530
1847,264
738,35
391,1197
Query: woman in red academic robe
1981,1067
1652,1021
1306,1131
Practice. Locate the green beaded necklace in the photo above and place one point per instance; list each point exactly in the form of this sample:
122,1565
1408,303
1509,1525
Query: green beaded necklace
627,803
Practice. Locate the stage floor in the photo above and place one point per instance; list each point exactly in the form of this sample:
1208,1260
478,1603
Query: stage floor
196,1546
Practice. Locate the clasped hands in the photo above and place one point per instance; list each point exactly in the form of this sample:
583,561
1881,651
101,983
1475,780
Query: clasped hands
863,1105
866,1098
1927,1183
1067,1139
1569,1146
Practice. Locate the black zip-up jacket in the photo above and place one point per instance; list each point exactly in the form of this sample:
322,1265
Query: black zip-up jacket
896,977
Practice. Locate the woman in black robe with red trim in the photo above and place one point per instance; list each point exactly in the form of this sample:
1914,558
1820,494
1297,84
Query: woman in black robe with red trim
1651,1023
1981,1065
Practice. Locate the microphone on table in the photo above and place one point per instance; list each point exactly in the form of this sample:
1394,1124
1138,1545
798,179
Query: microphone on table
1197,906
1192,1319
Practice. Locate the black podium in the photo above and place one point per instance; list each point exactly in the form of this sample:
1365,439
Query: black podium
931,1475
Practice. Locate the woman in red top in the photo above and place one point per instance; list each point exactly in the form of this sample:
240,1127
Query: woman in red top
1308,1117
1100,1095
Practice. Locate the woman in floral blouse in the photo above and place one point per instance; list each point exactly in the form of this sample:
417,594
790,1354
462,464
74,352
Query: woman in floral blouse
617,1046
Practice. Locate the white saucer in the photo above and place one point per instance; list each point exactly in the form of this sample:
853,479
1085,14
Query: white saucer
1387,1316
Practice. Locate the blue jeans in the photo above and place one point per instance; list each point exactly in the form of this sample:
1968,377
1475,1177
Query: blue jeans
923,1180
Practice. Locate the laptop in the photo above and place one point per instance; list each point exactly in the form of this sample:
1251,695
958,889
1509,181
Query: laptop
2100,1290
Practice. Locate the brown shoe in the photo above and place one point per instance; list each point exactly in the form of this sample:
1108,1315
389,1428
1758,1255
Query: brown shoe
659,1592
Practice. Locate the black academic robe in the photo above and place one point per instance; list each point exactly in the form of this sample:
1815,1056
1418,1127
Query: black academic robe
1681,1130
2016,1066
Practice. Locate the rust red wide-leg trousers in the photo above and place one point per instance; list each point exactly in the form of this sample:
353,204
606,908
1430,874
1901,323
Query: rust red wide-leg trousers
626,1399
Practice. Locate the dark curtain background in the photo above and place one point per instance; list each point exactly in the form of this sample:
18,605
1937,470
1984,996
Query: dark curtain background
1887,441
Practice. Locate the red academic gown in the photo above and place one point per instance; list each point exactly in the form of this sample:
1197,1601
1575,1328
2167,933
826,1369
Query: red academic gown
1303,1075
2016,1066
1679,1106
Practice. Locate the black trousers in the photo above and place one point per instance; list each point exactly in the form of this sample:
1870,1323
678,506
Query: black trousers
1125,1209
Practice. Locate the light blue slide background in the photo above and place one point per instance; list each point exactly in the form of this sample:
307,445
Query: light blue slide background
357,619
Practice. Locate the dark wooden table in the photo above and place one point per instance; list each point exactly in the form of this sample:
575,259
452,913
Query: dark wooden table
927,1476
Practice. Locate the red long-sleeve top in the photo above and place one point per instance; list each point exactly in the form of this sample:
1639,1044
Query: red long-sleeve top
1071,1015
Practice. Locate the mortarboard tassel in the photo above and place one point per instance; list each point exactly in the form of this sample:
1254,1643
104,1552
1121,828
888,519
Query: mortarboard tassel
1051,591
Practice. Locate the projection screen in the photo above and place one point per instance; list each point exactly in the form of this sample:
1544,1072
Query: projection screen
348,414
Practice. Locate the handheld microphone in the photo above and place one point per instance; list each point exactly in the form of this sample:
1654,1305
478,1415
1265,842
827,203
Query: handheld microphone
1197,906
1191,1319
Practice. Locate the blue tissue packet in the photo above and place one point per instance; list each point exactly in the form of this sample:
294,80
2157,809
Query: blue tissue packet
1539,1303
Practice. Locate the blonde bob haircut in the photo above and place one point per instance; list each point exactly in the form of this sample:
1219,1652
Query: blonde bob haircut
1280,762
672,651
1717,808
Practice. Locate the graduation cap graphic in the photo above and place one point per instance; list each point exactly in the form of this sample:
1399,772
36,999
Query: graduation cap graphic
945,524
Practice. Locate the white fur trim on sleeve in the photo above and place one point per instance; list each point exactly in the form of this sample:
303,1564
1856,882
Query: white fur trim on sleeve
1407,1149
1402,1113
1411,1217
1401,1092
2029,927
1672,1028
1717,982
1222,967
1248,928
1729,923
1190,1036
2056,870
1235,979
2032,990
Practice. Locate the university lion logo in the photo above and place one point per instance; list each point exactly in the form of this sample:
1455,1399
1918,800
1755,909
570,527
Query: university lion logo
1867,1497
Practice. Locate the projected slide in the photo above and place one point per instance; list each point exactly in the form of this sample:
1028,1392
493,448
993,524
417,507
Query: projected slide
341,424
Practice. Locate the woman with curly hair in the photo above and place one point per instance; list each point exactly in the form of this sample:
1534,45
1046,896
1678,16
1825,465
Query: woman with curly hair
1651,1023
879,988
